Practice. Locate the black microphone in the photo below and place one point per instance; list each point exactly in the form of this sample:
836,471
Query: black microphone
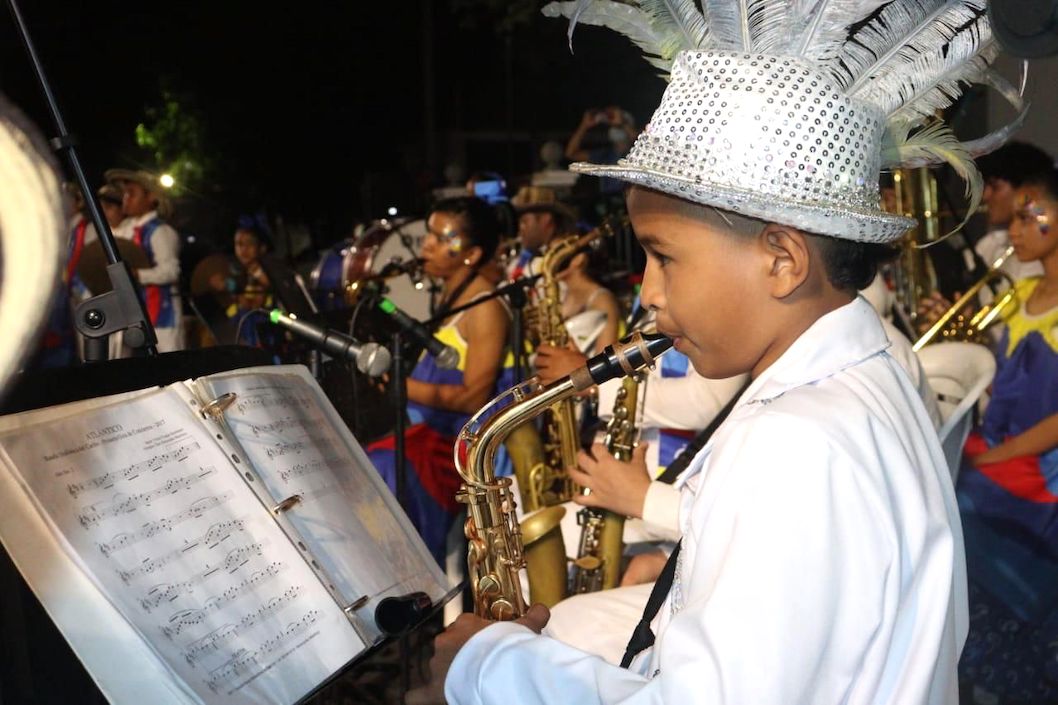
370,358
395,615
447,356
397,266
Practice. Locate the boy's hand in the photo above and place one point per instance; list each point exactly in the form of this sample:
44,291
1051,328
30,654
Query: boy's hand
448,644
644,568
555,363
619,487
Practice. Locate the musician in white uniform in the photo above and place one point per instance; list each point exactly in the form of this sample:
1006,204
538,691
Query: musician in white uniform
821,557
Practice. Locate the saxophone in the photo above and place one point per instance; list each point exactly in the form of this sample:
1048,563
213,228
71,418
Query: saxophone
494,540
602,532
542,476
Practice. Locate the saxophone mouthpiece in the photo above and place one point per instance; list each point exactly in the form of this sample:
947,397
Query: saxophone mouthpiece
624,358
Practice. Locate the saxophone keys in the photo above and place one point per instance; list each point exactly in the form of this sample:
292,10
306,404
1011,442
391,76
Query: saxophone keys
588,564
488,586
502,610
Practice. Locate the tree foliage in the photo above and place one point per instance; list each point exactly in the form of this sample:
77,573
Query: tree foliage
173,134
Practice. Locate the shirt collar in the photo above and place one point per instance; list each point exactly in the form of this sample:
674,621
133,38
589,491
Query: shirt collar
145,218
842,338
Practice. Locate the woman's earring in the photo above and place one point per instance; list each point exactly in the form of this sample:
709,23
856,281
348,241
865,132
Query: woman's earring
467,261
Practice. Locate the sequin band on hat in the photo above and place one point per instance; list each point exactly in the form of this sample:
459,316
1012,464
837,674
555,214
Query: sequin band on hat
769,137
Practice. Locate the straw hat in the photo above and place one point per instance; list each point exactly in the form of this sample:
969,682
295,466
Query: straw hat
147,180
537,199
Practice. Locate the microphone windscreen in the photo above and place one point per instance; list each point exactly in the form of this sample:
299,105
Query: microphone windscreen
373,359
448,359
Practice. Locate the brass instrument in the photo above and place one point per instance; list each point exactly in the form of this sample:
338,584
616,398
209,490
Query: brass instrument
958,325
495,552
602,532
914,196
544,482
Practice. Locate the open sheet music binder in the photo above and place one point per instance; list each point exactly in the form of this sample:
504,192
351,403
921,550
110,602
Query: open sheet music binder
221,540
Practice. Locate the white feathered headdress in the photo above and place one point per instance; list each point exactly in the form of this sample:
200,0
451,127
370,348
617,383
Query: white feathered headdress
891,66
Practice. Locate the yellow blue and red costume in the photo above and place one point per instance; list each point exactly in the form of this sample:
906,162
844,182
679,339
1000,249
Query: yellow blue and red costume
1010,521
432,480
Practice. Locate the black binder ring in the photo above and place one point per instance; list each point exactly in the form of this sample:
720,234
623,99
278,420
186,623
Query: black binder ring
219,405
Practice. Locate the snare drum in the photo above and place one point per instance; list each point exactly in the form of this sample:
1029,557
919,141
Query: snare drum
384,242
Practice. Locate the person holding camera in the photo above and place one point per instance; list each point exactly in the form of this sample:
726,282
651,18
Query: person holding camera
620,132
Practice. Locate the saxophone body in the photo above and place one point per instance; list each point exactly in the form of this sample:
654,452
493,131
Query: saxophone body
542,478
495,551
601,546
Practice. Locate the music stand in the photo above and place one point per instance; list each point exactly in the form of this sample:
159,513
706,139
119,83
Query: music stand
40,666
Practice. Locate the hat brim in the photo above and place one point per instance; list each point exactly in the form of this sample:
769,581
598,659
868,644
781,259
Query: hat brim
846,222
117,176
557,209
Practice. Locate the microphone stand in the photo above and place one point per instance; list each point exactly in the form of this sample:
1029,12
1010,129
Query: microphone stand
518,298
121,308
400,400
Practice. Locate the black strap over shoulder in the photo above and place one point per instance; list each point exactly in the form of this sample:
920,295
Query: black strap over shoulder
643,637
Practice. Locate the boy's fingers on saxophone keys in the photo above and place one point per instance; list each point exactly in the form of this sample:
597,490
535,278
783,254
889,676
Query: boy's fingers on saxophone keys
536,617
581,478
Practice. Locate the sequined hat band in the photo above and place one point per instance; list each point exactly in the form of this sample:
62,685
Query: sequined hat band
768,137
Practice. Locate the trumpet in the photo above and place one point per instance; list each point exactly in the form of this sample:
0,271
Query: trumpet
955,325
495,552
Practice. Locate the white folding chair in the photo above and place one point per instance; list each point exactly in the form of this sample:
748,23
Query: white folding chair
959,373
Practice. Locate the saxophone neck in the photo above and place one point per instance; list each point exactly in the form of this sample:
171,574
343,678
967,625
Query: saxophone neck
486,441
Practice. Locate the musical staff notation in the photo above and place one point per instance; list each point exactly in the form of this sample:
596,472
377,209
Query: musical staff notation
211,539
215,534
271,400
131,472
241,663
192,617
151,529
273,427
98,512
303,469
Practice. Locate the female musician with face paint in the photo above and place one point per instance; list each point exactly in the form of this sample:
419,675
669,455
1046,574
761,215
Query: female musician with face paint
1008,486
462,236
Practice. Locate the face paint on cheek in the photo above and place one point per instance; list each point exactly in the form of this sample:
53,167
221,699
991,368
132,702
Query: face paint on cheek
1037,214
454,242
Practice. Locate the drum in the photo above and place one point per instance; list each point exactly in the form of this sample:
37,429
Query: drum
383,243
92,267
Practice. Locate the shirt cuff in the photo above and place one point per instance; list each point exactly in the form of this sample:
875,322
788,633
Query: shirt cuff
607,396
468,667
661,509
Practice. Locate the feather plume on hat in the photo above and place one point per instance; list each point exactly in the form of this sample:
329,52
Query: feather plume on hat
904,59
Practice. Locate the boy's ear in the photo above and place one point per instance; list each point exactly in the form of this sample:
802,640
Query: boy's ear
789,259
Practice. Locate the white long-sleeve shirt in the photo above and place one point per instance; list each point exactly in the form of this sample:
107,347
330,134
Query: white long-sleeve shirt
165,246
662,501
822,557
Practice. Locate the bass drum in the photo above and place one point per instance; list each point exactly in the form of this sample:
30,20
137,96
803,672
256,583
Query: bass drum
383,243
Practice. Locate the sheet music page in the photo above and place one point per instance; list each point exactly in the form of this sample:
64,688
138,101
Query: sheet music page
347,516
159,518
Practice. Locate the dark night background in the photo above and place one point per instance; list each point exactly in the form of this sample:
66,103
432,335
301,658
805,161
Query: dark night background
319,111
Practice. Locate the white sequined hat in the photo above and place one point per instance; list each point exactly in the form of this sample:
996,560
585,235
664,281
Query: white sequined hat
788,110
